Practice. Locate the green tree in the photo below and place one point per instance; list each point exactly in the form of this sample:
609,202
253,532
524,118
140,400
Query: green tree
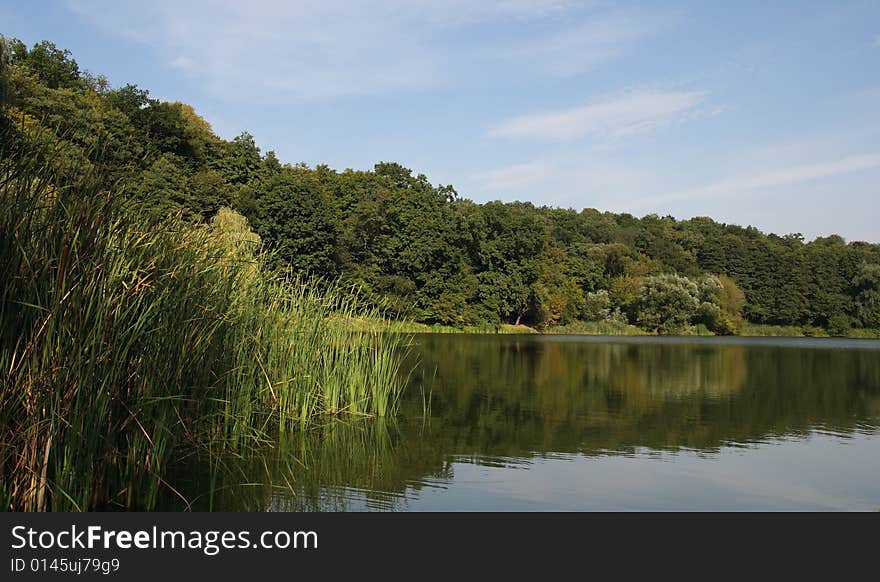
667,303
55,67
558,299
867,285
422,249
163,189
597,306
511,241
295,219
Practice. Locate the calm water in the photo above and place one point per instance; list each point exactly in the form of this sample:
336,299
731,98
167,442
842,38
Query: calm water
587,423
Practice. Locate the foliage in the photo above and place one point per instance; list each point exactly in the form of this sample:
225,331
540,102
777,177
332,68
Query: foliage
423,251
609,328
124,336
597,306
867,284
667,303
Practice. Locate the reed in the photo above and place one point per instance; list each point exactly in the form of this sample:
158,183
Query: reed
611,328
412,327
316,469
126,339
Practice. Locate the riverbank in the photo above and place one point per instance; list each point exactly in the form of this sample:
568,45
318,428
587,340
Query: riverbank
604,328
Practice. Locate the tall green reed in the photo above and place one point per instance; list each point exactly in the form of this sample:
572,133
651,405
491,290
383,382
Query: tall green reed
125,339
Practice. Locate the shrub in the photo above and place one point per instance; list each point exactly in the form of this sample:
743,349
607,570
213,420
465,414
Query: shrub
667,303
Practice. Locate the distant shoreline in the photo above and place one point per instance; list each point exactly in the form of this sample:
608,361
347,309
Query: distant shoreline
609,329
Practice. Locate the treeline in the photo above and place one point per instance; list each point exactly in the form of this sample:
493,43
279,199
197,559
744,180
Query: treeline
420,248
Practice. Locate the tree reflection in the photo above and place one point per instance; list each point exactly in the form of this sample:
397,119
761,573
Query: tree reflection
491,399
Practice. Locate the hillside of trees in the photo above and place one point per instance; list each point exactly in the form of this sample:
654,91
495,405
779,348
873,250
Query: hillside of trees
421,249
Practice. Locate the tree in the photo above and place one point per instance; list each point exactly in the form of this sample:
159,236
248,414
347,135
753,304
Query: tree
829,281
597,306
667,303
209,192
239,160
168,130
129,99
710,313
867,285
163,189
5,82
423,249
295,218
557,297
53,66
511,241
624,292
731,302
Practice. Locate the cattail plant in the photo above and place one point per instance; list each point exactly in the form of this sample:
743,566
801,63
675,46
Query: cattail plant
125,340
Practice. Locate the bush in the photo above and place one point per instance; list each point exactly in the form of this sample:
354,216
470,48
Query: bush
597,306
813,331
667,303
839,325
709,315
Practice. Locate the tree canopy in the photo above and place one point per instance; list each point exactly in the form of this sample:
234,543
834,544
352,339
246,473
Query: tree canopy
421,249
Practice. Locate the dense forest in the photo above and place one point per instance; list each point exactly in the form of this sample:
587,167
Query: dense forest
420,249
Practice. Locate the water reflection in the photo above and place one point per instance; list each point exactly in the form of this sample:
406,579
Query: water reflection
518,422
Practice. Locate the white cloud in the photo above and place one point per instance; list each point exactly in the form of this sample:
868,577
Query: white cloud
269,51
769,179
183,62
515,177
817,184
460,11
582,46
577,180
631,113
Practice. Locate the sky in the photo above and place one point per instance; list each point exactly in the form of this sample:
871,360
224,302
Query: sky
753,113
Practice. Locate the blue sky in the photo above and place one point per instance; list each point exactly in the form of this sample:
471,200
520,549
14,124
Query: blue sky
756,113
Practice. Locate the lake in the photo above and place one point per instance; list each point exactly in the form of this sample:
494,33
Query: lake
510,423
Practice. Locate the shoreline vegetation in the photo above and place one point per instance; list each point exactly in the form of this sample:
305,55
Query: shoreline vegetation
421,252
128,342
165,292
605,329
